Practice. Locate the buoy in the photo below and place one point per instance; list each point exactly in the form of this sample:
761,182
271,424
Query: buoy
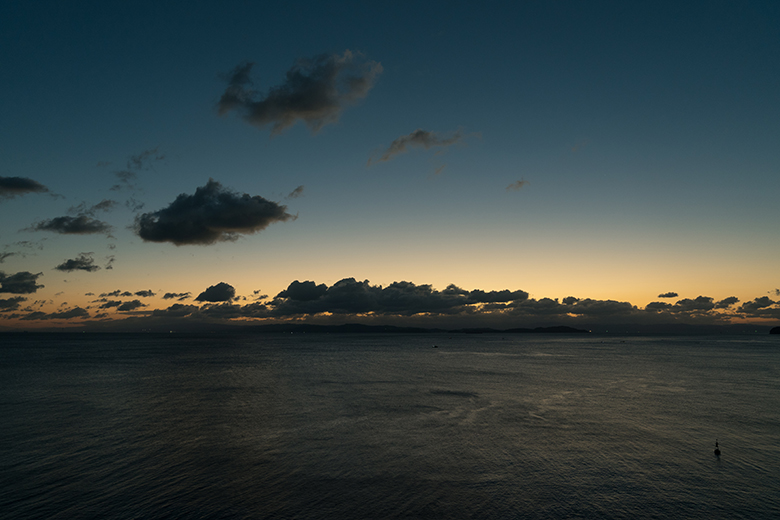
717,449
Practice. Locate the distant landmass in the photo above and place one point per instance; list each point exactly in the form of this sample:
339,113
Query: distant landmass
775,330
302,328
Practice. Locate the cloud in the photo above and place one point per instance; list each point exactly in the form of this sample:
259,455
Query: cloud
177,310
22,282
11,304
212,214
726,302
668,295
178,296
349,296
13,186
111,303
144,294
699,304
221,292
84,262
756,307
297,192
3,256
316,91
83,209
130,306
77,312
144,160
80,225
515,186
418,139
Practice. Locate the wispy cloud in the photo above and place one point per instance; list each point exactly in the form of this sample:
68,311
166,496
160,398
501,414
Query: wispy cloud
517,185
316,90
212,214
297,192
418,139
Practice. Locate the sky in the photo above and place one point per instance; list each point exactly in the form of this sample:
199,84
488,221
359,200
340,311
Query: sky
453,164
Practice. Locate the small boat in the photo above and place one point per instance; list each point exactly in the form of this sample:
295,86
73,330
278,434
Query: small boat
717,449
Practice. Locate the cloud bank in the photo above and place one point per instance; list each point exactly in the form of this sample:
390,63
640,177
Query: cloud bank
213,214
316,90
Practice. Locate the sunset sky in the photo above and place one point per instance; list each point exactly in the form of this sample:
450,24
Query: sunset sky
514,163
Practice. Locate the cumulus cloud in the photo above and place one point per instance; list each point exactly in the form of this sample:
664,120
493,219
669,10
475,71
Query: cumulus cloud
698,304
11,304
130,306
316,91
84,262
668,295
13,186
756,306
212,214
22,282
726,302
418,139
80,225
177,310
222,292
144,294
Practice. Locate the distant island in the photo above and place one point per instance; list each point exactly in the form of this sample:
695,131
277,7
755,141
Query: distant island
775,330
302,328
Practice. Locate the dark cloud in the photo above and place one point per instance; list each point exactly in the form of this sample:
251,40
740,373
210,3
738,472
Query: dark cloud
111,303
22,282
570,300
84,262
144,294
177,310
212,214
668,295
109,262
77,312
12,186
11,304
222,292
130,306
315,91
349,296
297,192
418,139
80,225
726,302
698,304
658,307
756,307
178,296
3,256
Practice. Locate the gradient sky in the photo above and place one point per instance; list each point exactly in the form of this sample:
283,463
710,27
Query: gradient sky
612,152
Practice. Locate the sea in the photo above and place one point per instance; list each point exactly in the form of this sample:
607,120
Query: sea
386,426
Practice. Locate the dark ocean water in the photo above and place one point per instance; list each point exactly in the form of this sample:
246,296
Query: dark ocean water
385,426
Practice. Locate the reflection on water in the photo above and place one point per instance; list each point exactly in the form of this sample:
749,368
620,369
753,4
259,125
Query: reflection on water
384,426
